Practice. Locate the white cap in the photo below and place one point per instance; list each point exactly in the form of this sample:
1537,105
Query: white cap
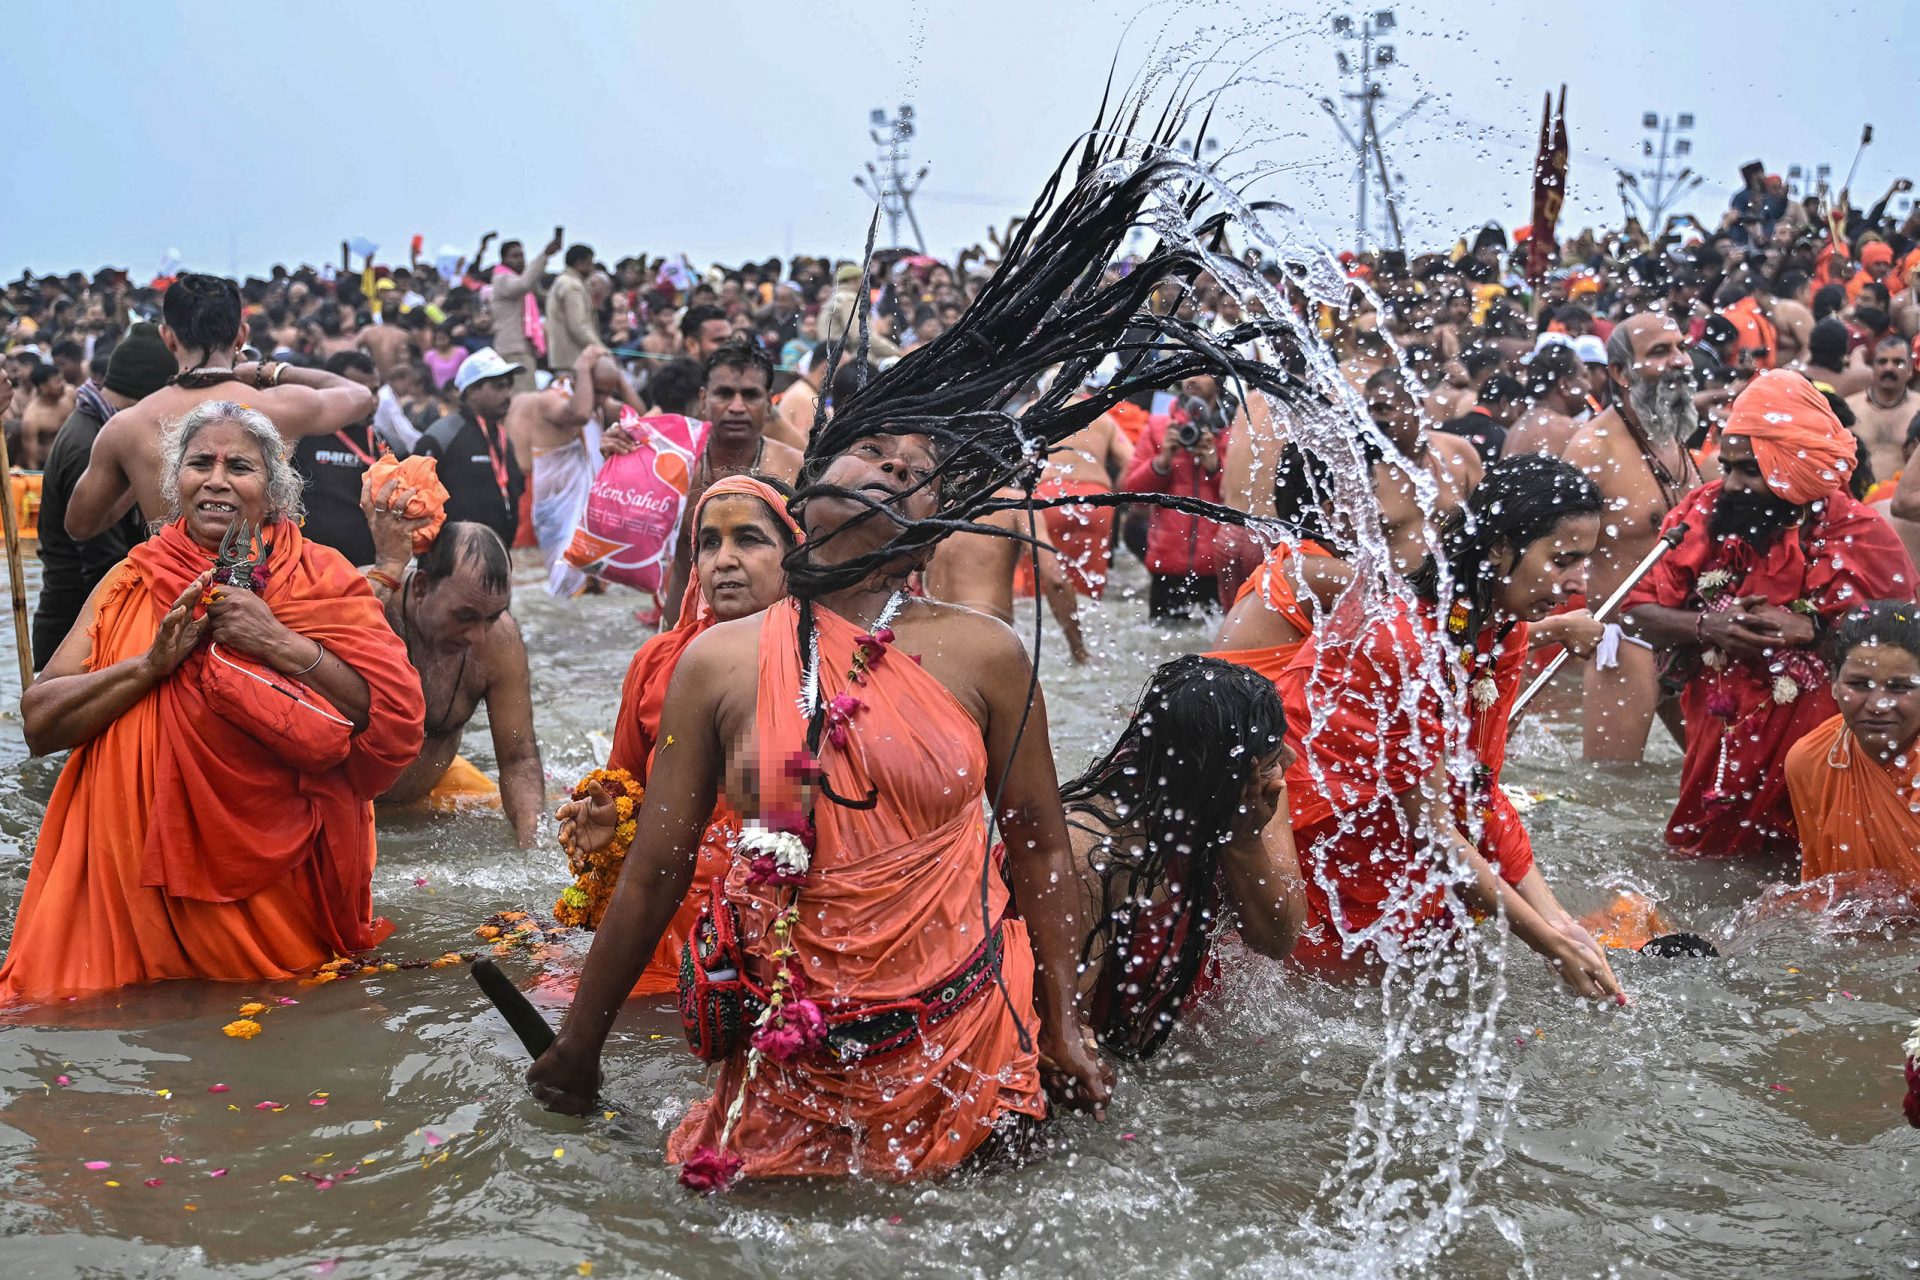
481,365
1590,349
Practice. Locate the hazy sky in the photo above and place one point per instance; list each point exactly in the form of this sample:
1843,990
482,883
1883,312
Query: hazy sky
244,134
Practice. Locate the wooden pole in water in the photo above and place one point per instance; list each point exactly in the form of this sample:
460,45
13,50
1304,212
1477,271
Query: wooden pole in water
16,573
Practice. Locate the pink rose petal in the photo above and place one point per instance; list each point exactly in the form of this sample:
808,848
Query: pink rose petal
97,1165
63,1081
151,1182
433,1139
266,1106
218,1088
419,882
316,1102
288,1000
216,1173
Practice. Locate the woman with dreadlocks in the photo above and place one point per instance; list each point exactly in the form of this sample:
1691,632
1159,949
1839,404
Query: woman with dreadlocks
1377,817
1181,831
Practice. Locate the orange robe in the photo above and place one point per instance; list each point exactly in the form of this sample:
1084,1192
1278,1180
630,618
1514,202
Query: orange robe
1857,816
1083,537
892,907
636,734
1368,747
1276,589
175,844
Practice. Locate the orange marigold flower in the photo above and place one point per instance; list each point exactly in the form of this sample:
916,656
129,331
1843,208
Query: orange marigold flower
242,1029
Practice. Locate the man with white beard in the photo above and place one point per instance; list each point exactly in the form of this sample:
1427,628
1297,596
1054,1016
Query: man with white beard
1636,453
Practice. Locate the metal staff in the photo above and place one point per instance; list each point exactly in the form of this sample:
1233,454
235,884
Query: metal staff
1668,541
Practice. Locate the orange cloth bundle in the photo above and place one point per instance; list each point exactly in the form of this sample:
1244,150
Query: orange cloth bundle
429,500
1803,451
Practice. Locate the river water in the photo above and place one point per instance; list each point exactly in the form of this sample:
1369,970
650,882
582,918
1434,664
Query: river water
1740,1118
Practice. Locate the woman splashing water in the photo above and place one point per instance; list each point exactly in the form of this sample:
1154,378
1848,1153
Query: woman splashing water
1377,818
231,723
1179,832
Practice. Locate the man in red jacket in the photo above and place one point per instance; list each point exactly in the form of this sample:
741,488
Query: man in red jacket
1181,454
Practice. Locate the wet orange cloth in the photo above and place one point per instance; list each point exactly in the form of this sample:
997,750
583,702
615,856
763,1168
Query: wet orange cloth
1803,451
1081,536
174,846
891,908
1370,745
462,787
1856,817
1132,419
1756,331
1628,922
1273,586
421,474
636,733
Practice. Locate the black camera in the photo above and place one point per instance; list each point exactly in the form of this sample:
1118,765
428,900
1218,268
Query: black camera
1188,434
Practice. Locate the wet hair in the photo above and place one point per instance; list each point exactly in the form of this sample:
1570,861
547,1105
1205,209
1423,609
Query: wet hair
327,316
849,378
1790,282
1387,379
1829,299
204,313
739,353
283,482
344,362
464,542
1479,358
697,317
1827,344
1892,623
1552,365
675,386
1872,319
1302,490
1521,500
1179,772
1501,388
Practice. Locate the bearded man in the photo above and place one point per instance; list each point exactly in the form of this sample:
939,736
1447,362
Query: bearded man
1636,454
1773,555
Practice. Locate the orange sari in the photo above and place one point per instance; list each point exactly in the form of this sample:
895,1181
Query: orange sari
891,908
636,733
1851,812
1276,589
175,845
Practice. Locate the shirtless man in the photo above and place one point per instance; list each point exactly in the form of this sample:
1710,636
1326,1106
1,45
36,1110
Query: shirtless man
1086,462
1461,381
49,404
1827,363
793,422
704,329
391,343
451,610
1907,526
328,336
1557,387
1451,461
1636,454
737,402
203,329
1882,411
976,570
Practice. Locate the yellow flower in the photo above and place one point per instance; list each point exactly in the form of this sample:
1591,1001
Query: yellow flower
252,1007
242,1029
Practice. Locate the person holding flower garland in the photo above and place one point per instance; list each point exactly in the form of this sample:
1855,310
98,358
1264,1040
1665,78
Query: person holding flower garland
741,529
1375,814
1774,553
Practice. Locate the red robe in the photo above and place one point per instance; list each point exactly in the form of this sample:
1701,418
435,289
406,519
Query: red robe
1276,591
1370,746
175,844
1733,786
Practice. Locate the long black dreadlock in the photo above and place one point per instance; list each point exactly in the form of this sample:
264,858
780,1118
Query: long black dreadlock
1178,774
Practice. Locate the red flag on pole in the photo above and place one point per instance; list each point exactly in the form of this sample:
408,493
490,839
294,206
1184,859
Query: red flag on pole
1549,187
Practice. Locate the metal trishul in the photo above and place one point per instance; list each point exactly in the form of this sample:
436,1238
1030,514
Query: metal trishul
242,550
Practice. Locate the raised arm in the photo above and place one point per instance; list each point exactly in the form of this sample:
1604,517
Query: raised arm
523,784
307,402
654,880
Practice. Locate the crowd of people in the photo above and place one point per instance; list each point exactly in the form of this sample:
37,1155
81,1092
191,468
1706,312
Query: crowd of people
277,521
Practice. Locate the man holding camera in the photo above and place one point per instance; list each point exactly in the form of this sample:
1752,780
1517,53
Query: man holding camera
1181,454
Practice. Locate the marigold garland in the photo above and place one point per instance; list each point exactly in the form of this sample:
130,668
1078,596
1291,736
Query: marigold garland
582,903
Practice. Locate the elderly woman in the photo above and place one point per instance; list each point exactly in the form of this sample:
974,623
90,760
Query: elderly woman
231,718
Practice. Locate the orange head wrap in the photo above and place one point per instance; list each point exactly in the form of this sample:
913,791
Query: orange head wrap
429,500
1876,252
693,605
1803,451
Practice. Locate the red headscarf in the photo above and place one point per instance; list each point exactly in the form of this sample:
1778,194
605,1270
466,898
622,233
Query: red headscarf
1803,451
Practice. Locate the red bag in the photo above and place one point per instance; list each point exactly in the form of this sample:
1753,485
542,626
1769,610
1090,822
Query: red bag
717,1000
278,712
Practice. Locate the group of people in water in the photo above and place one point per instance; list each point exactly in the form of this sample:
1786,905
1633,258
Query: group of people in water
831,811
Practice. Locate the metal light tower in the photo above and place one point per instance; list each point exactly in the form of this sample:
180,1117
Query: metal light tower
1655,188
1364,137
886,181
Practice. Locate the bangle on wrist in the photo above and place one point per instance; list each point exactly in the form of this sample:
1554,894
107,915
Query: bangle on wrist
319,652
384,578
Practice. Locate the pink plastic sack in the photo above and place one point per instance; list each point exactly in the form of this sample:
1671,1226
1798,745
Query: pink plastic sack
637,501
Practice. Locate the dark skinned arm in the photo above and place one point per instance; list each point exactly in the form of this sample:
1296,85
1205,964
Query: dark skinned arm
1264,886
654,879
523,783
103,493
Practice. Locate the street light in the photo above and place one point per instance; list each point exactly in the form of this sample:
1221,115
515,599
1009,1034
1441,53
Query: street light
1661,189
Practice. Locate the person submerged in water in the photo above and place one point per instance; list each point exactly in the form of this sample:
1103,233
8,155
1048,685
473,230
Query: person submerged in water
1855,779
1375,813
1181,832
